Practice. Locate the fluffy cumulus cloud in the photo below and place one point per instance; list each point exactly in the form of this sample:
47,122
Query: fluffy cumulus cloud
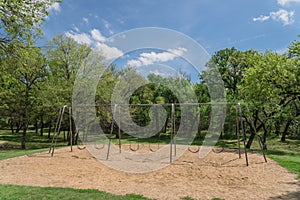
287,2
96,35
81,38
145,59
55,7
96,39
108,51
284,16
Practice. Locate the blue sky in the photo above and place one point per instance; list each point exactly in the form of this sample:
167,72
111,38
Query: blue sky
215,24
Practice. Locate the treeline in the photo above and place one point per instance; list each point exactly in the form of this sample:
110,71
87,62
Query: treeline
36,82
269,82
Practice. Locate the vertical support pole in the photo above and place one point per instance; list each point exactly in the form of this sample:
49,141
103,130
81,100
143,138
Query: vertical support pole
71,133
237,129
157,127
199,123
119,129
55,130
172,131
58,128
111,131
244,133
157,122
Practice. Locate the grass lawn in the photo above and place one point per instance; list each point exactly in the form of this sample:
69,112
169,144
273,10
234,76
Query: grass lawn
287,153
10,144
25,192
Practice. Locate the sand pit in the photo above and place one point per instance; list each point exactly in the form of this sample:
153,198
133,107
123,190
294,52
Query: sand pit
220,175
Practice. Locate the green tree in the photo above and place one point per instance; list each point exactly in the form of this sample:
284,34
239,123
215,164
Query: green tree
21,20
65,57
23,74
231,64
264,89
294,90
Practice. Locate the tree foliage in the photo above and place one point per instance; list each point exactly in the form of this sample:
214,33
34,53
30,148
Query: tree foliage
21,20
34,84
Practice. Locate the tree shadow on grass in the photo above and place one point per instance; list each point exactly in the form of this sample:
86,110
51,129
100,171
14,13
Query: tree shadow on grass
279,153
289,196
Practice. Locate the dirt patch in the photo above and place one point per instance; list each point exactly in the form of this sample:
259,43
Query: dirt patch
220,175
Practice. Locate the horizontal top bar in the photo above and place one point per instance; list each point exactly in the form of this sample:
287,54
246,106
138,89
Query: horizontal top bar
164,104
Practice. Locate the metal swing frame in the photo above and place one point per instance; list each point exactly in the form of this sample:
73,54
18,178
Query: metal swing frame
240,126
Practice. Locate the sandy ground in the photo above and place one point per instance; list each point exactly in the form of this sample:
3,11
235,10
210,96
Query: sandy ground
220,175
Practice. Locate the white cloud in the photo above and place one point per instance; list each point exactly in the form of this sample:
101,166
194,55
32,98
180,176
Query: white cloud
284,16
86,20
107,26
81,38
261,18
97,41
76,29
107,51
55,7
153,57
287,2
96,35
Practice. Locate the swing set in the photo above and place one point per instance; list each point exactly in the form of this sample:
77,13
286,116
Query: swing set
118,122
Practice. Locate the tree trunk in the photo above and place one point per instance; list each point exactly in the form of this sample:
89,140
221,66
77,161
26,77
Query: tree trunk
166,125
12,127
250,141
277,128
25,118
265,134
252,134
42,126
49,130
198,132
23,143
18,127
36,127
286,128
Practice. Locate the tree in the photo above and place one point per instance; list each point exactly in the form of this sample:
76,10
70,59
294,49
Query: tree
23,73
231,64
21,20
265,89
20,24
294,90
65,56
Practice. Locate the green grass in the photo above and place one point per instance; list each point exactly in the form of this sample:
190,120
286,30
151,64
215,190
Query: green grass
286,154
5,154
290,161
190,198
11,147
12,192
